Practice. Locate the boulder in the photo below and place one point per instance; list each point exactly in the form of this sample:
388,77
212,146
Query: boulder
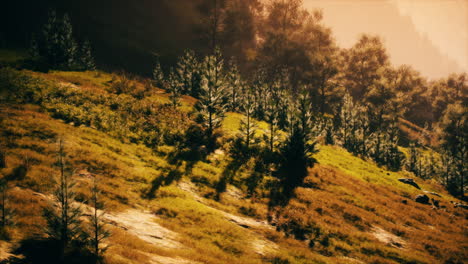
433,193
410,182
422,198
464,206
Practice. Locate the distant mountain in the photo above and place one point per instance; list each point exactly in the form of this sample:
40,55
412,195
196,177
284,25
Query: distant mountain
405,44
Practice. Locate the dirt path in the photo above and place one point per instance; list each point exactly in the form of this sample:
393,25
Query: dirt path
387,237
143,225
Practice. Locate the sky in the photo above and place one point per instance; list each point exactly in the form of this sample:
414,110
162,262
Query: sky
430,35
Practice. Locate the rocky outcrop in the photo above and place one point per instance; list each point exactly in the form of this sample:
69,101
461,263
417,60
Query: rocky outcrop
422,198
410,182
459,205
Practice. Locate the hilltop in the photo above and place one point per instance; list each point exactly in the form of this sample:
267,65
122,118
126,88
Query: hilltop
168,204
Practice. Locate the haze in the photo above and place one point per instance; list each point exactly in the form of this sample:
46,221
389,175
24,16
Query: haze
430,35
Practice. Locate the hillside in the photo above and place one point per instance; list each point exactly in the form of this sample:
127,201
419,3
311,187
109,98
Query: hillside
166,205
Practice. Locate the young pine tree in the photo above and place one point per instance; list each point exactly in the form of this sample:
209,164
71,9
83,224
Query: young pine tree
260,93
175,88
348,123
62,217
68,46
187,70
448,168
271,115
299,146
393,157
248,124
233,80
211,104
158,76
412,164
56,44
86,57
329,133
98,232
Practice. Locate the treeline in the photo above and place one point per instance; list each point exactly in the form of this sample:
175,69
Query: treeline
367,130
282,34
54,47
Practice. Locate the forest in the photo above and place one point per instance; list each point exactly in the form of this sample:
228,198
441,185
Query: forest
300,103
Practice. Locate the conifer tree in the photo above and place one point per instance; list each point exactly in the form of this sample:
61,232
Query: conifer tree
211,104
187,71
329,133
158,75
248,124
454,125
86,57
34,51
68,45
348,122
50,39
282,107
413,161
98,230
364,132
175,88
448,170
260,89
233,80
271,115
56,44
62,217
299,147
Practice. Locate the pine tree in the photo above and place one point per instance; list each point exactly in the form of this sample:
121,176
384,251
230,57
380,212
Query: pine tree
211,106
68,45
187,70
364,133
348,123
448,170
34,51
413,161
50,40
248,124
56,43
260,93
233,80
175,88
329,133
299,147
158,75
271,115
62,217
98,230
86,57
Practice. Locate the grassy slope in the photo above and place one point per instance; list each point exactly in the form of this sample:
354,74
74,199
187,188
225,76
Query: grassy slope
347,199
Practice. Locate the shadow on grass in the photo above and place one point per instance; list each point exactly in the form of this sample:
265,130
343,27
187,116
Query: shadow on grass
48,251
